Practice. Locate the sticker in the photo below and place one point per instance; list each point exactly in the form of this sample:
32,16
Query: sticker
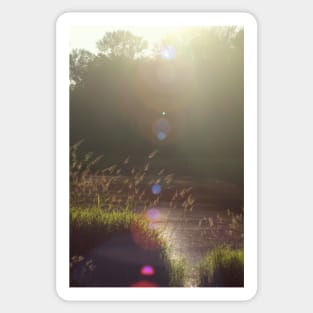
156,156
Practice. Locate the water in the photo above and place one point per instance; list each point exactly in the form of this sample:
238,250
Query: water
215,218
192,234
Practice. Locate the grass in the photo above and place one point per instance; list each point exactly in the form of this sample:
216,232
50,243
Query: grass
122,185
110,202
177,272
223,267
90,227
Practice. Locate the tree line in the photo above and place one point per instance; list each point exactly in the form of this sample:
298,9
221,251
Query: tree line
192,78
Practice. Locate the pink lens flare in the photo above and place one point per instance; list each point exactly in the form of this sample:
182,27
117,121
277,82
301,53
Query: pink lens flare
144,283
153,214
147,270
141,239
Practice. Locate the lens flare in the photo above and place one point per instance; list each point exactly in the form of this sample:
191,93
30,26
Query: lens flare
168,53
153,213
142,240
144,283
161,135
161,128
156,189
147,270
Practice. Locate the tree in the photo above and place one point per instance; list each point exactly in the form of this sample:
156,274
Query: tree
79,62
197,80
121,44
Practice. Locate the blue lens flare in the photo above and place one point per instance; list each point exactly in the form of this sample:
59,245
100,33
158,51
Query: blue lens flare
161,128
168,53
156,189
161,135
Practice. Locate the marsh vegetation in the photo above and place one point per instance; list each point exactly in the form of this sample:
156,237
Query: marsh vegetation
156,161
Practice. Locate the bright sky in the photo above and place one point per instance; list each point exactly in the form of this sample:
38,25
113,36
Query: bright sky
86,37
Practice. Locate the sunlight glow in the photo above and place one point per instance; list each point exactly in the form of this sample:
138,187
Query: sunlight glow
86,37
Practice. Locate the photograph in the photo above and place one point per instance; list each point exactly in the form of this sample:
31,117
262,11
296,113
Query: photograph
156,186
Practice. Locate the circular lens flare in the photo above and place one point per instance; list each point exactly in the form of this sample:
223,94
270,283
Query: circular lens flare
168,53
161,135
147,270
156,189
153,214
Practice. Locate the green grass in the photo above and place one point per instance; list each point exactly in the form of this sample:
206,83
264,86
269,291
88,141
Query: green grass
177,272
92,226
223,267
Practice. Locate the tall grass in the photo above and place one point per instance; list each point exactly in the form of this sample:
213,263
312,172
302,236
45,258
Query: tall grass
223,267
90,227
111,200
121,186
177,271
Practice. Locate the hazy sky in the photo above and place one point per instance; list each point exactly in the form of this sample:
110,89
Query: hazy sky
86,37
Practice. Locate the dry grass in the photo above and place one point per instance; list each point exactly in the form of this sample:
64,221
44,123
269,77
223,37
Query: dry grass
111,200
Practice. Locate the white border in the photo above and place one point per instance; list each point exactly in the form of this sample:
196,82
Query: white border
145,19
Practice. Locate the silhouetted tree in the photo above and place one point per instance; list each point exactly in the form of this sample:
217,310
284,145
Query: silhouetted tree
121,44
119,93
79,61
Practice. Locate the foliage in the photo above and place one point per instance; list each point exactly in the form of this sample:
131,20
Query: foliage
79,61
119,92
121,186
115,97
121,44
92,226
178,271
223,267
